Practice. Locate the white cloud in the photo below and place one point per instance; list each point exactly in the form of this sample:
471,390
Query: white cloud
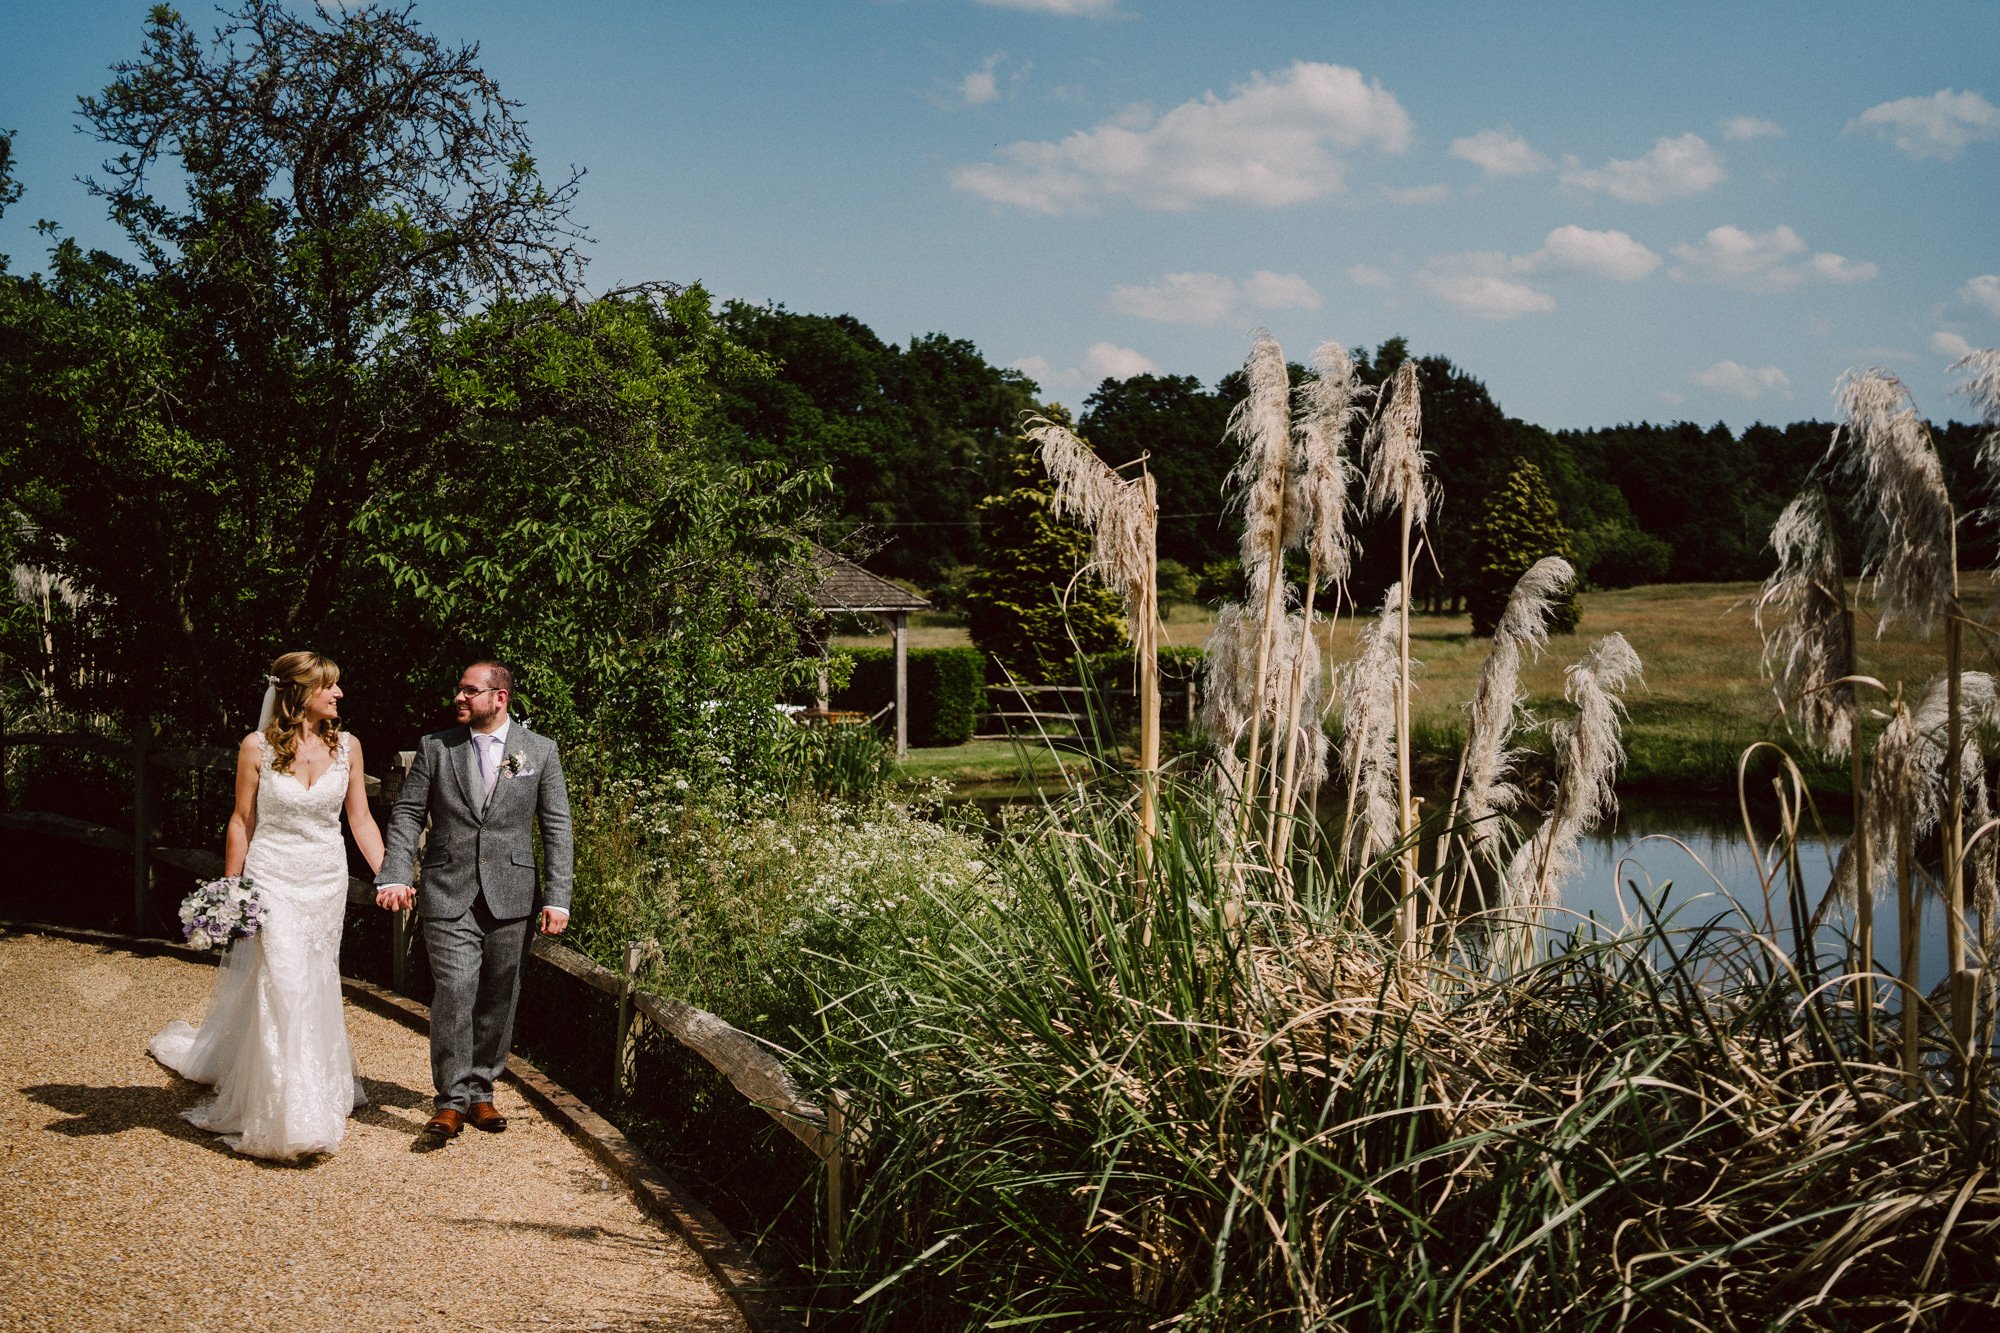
1064,8
1840,269
1368,275
1731,378
1209,298
1759,261
1498,153
1488,295
1601,254
1984,292
1179,298
1109,361
1101,361
1279,140
1490,284
1750,127
981,85
1280,291
1950,344
1936,126
1674,169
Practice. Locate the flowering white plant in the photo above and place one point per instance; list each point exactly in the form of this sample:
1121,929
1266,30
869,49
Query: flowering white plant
222,911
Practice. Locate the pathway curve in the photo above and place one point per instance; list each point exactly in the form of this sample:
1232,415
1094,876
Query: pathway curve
117,1214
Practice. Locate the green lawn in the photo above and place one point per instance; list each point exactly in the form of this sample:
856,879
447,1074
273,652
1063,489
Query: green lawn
1703,700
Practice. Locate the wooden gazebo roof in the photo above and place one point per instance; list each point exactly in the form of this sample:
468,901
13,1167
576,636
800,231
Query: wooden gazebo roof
846,586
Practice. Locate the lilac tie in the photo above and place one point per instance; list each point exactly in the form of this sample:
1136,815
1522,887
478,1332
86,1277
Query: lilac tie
487,770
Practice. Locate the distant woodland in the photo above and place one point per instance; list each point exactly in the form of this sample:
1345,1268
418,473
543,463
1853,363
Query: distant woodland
915,435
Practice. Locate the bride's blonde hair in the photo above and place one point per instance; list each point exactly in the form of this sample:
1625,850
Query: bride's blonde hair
299,676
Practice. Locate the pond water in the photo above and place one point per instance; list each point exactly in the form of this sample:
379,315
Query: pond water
1698,862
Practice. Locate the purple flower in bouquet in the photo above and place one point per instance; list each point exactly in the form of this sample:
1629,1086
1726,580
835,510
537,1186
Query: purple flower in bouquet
221,911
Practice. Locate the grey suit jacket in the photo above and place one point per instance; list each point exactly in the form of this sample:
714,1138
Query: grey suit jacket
473,850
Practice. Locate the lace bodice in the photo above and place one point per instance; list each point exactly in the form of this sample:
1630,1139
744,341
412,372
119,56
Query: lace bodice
296,856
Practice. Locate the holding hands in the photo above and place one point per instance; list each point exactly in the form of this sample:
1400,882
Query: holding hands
401,898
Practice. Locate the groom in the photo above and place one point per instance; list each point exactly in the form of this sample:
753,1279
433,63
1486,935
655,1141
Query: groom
484,784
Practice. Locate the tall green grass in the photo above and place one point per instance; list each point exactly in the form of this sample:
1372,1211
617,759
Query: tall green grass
1088,1101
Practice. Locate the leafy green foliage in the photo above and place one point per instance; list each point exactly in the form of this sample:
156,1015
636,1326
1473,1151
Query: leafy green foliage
1029,605
349,398
947,690
1518,525
913,436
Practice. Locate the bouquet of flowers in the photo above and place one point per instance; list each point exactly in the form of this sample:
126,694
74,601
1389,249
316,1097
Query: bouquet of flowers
222,911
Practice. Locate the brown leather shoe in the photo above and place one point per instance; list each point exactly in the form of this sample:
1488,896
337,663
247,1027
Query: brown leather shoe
483,1116
445,1124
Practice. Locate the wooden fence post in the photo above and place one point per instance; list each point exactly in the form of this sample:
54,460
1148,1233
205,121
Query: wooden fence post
626,1056
1964,1008
836,1179
145,816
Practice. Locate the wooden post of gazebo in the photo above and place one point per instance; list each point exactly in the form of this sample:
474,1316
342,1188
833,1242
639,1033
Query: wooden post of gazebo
847,588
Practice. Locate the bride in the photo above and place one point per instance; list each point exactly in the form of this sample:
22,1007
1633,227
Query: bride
274,1042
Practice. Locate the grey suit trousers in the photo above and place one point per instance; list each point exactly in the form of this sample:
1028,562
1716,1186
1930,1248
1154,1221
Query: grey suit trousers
475,960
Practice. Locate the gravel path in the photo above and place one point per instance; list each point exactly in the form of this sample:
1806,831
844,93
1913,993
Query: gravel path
117,1214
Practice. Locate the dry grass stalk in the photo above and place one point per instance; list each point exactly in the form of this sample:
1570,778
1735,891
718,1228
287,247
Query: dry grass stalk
1931,721
1368,735
1123,516
1229,676
1589,751
1812,643
1910,522
1982,385
1523,631
1396,474
1263,479
1119,511
1396,480
1894,797
1330,408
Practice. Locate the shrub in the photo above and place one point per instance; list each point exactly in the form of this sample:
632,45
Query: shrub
946,690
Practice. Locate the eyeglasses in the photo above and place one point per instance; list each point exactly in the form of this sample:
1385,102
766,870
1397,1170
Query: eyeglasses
467,692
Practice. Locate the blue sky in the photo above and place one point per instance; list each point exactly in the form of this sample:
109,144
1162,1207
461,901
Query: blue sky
1607,212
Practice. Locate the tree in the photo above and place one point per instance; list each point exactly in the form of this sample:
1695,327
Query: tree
1177,426
317,197
1517,525
1026,605
350,396
913,436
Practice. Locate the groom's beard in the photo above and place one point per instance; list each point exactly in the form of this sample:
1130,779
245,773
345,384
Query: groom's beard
478,713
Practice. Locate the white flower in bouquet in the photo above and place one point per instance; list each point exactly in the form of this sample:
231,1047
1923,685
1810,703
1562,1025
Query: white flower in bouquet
221,912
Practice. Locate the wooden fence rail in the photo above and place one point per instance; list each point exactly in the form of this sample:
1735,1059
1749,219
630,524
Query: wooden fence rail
1029,710
757,1075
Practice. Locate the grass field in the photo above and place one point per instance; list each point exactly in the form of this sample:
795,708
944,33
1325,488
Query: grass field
1703,701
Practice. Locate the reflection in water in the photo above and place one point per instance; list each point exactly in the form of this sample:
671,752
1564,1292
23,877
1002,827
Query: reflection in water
1706,871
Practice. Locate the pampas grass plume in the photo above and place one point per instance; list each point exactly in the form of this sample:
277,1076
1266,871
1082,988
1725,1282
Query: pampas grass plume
1496,704
1812,643
1910,519
1396,477
1261,426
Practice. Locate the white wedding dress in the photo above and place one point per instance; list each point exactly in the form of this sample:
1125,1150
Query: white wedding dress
274,1042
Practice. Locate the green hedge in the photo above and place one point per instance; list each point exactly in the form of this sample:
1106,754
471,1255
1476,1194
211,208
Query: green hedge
947,690
1178,667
